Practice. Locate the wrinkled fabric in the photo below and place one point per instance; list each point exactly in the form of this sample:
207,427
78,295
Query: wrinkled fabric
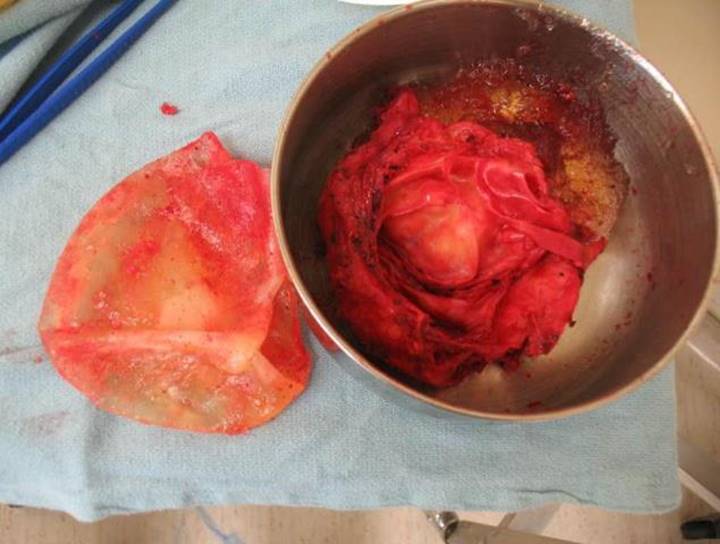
232,67
26,54
25,15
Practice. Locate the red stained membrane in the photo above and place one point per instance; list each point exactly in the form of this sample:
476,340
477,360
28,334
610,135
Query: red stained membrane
445,249
170,303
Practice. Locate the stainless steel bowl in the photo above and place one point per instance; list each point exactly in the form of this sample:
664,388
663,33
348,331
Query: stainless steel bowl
641,296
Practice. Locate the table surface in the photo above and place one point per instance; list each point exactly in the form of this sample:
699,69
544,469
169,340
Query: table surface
691,65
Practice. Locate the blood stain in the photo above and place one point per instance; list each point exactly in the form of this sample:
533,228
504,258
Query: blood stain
169,109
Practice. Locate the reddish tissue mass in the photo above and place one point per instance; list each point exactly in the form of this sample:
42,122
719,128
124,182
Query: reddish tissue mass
170,303
169,109
445,249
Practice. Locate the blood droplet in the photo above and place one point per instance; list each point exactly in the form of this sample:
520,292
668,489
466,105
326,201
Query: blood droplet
169,109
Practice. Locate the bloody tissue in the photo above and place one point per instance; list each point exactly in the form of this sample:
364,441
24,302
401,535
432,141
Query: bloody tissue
445,250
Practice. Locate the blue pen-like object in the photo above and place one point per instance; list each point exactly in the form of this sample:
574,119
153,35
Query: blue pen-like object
63,67
72,89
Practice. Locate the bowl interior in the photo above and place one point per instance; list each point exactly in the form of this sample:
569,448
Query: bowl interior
641,294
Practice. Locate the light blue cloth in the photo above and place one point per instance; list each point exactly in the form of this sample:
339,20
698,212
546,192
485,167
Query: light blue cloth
232,66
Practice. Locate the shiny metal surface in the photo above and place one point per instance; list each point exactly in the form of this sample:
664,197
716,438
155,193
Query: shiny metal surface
445,522
453,530
640,298
468,532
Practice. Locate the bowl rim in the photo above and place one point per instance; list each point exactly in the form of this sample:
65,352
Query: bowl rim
357,357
